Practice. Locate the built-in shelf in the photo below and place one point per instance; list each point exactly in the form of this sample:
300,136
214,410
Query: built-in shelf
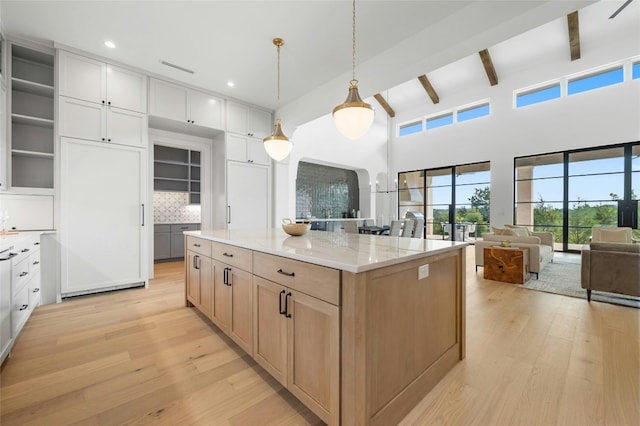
32,121
32,154
32,87
177,169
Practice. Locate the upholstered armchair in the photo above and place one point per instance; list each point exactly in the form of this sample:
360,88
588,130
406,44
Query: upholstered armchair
612,267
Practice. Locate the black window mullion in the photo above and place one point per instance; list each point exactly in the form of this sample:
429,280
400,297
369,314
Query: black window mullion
565,203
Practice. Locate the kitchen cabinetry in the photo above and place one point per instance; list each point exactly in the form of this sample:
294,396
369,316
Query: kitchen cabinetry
31,105
199,275
233,293
246,149
101,83
102,191
168,240
185,105
248,195
248,121
296,329
3,135
92,121
176,169
20,292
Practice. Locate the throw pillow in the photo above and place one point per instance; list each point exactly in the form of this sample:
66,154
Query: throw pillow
520,231
614,235
498,231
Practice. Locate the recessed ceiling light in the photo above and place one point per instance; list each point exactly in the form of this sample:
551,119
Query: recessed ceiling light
230,83
110,44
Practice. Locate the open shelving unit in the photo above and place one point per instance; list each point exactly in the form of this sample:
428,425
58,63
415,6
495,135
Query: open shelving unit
32,114
177,170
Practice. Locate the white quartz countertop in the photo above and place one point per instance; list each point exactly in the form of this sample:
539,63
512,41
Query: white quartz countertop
347,252
9,240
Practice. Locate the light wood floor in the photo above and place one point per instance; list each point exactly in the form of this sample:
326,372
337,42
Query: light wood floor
138,356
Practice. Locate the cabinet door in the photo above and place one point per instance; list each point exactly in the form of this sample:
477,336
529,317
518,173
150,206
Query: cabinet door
237,118
177,244
241,325
81,77
257,153
261,124
221,312
314,354
206,285
193,278
81,119
270,328
126,127
205,110
168,100
161,245
126,89
237,148
102,192
248,192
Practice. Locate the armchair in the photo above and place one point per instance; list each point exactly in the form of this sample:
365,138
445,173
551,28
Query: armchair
611,267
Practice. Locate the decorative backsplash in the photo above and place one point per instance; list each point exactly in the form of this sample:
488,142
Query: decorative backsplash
323,191
173,207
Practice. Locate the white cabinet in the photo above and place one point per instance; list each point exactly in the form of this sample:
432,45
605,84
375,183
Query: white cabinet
25,282
182,104
248,121
248,196
27,212
92,121
103,217
98,82
246,149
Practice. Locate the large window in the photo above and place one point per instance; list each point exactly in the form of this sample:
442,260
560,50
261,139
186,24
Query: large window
568,193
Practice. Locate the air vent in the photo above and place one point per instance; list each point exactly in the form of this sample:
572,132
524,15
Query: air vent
178,67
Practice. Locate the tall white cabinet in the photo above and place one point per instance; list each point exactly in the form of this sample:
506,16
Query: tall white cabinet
103,220
248,196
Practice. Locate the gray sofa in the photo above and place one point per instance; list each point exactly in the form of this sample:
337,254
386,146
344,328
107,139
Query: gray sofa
611,267
540,245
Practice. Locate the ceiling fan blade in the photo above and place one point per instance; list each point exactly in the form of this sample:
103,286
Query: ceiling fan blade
625,4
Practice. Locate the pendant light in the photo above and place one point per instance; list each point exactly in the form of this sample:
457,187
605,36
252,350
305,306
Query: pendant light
278,146
353,118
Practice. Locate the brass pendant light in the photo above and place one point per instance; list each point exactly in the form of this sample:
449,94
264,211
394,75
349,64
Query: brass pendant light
353,118
278,146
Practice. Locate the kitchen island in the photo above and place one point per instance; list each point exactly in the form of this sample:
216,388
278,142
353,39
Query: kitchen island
358,327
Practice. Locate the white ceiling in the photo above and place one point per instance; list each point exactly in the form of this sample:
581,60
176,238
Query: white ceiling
232,40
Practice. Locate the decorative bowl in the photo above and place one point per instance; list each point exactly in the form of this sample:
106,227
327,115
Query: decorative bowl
505,243
295,229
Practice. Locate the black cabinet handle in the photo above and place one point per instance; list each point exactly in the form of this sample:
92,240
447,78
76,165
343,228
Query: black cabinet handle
142,208
23,307
225,276
103,101
229,282
109,103
288,274
184,227
227,254
35,290
23,274
195,262
286,305
280,303
36,244
109,140
102,139
37,262
196,245
24,250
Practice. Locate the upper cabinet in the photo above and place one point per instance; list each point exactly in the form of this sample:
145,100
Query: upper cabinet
248,121
168,100
32,112
98,82
246,149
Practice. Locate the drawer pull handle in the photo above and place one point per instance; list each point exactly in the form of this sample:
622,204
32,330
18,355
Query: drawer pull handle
24,250
288,274
36,244
35,290
23,274
184,227
227,254
286,305
23,307
37,262
280,303
196,245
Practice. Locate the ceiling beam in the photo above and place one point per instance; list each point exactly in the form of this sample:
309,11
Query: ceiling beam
429,89
574,35
488,66
383,103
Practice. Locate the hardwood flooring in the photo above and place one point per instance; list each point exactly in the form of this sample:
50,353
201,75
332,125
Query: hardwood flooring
139,356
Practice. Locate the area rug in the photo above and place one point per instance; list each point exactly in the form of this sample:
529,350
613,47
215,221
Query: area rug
563,277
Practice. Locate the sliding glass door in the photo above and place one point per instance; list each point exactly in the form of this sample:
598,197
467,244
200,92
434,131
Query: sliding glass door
570,192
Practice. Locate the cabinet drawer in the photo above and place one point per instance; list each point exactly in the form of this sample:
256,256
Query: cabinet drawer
181,227
34,292
34,262
20,274
20,309
314,280
162,227
199,246
232,255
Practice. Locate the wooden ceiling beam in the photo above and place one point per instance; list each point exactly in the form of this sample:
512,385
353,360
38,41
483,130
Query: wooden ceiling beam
574,35
429,89
383,103
488,66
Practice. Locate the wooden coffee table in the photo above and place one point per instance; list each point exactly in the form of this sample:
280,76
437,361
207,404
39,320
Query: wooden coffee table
506,264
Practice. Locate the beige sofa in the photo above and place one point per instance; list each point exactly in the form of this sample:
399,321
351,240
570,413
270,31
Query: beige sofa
540,245
611,267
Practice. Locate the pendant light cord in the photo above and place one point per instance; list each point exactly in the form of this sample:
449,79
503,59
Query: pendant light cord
353,45
278,85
